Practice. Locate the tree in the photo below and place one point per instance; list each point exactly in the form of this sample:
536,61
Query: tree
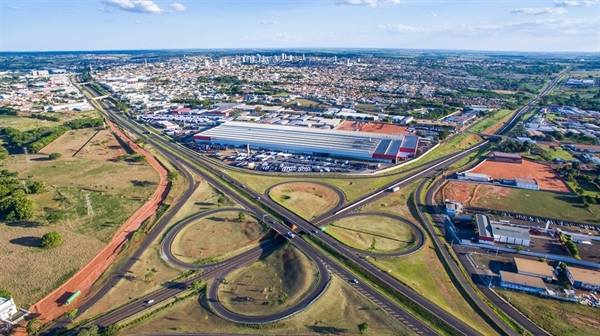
519,248
55,217
443,134
373,243
241,216
33,326
91,331
111,330
172,176
51,239
5,294
36,187
72,313
54,156
221,200
364,327
196,285
140,142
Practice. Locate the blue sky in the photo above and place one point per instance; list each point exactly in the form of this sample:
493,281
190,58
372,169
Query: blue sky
504,25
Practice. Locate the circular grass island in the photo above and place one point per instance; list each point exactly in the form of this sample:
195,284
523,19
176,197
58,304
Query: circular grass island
217,237
307,200
269,285
373,233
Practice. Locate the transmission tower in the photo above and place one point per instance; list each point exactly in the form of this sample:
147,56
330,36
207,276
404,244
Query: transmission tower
88,202
26,155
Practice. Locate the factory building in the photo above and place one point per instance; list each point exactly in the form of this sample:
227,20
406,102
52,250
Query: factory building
526,183
521,282
474,177
312,141
534,268
484,226
507,157
584,278
511,235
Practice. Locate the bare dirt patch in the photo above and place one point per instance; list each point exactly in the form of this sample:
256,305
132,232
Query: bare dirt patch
372,127
545,176
87,143
459,192
306,199
215,235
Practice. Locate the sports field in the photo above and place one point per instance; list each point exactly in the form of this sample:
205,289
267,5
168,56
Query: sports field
374,233
532,202
269,285
372,127
308,200
545,176
210,238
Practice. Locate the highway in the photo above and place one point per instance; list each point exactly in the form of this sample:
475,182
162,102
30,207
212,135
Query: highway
305,226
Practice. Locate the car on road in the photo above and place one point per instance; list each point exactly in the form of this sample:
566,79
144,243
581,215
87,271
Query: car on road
354,281
290,234
150,301
315,231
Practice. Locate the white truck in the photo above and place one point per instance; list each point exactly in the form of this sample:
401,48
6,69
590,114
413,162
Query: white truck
394,189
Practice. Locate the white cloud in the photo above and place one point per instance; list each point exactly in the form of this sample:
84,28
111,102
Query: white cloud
146,22
14,7
177,7
575,3
370,3
402,29
268,23
134,6
539,10
432,15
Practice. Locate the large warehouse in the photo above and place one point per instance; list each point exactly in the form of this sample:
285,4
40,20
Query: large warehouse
584,278
342,144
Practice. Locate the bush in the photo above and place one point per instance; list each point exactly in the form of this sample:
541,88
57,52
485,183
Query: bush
55,217
54,156
36,187
51,239
5,294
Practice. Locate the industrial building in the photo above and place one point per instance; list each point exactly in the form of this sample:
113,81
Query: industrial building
474,177
583,278
522,282
534,268
486,233
511,235
489,233
311,141
507,157
526,183
454,208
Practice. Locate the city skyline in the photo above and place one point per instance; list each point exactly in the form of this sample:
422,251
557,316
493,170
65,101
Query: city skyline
529,26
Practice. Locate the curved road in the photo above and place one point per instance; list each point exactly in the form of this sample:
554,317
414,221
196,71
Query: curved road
419,235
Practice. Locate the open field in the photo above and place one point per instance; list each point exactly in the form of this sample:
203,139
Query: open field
212,237
115,189
539,203
386,234
459,192
556,152
492,124
556,317
102,145
423,272
372,127
308,200
395,203
25,124
269,285
337,312
546,177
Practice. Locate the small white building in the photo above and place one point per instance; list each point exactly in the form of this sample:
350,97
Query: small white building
526,183
7,308
453,208
511,235
474,177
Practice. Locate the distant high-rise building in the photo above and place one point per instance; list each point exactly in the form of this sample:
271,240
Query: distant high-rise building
335,59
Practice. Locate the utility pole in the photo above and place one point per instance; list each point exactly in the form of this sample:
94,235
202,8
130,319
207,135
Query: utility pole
88,202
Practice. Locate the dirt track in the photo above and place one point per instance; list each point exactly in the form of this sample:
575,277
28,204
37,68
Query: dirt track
51,307
545,176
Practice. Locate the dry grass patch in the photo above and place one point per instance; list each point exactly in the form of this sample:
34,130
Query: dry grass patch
308,200
395,203
269,285
91,144
211,238
337,312
30,272
374,233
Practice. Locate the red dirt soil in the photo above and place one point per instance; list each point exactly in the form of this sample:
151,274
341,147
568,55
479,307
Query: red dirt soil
459,192
546,178
372,127
51,307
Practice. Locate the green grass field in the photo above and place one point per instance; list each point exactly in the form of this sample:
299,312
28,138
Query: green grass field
305,199
556,317
373,233
539,203
269,285
212,238
491,123
337,312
